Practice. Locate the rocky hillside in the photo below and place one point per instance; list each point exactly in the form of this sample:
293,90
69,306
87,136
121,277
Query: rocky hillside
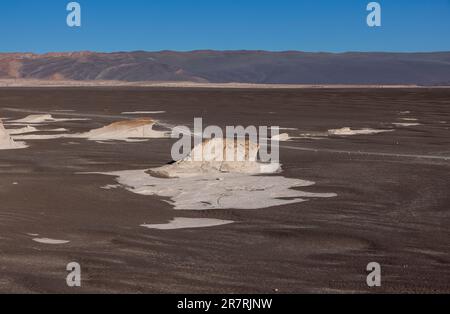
291,67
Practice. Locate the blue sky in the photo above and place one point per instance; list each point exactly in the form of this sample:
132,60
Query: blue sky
316,25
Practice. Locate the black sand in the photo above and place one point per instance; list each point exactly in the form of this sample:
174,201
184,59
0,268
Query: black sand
390,209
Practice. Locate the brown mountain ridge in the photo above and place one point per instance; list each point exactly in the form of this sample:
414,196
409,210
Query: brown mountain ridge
255,67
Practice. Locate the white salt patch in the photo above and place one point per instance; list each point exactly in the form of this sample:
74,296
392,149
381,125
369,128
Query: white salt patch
56,130
221,191
44,118
128,140
288,129
23,124
314,135
406,124
40,137
311,137
50,241
143,112
6,142
24,130
348,131
111,186
283,137
31,129
102,142
188,223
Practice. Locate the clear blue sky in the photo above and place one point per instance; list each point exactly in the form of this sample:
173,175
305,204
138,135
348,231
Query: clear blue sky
316,25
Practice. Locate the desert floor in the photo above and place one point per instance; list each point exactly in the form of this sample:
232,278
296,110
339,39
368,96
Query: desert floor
392,204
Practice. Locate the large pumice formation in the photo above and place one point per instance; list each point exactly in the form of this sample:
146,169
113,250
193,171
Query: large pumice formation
123,130
218,156
6,142
212,183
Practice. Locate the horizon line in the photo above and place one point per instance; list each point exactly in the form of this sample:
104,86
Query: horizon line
225,51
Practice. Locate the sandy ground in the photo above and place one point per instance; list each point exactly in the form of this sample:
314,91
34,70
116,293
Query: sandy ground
392,205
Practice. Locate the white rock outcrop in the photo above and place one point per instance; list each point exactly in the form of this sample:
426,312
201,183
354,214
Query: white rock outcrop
218,156
6,142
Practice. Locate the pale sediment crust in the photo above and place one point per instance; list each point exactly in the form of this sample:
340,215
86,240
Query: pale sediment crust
218,190
405,124
349,131
213,183
6,142
129,130
50,241
142,112
188,223
43,118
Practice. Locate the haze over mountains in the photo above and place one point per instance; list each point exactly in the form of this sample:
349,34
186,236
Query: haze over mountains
256,67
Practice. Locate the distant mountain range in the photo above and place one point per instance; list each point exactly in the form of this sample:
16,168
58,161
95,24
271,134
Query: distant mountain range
256,67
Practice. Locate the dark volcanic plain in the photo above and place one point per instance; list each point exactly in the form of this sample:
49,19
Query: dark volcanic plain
390,209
